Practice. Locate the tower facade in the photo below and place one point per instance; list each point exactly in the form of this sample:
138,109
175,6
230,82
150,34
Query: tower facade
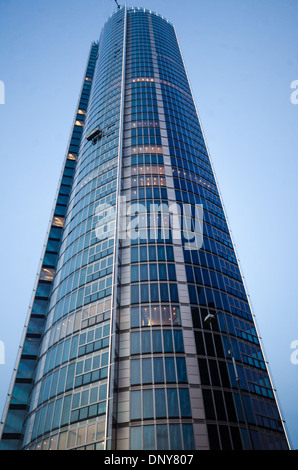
139,334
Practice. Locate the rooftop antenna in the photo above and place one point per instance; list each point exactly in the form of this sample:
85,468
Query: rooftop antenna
118,6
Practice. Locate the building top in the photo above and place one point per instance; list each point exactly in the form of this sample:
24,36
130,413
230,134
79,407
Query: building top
145,10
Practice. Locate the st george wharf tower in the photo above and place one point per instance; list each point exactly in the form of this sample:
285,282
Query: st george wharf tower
139,333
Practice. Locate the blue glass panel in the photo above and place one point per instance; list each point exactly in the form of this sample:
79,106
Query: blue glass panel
162,437
135,342
148,411
135,405
160,403
136,438
184,403
181,370
173,409
146,371
188,437
146,342
135,374
170,369
14,421
149,437
175,437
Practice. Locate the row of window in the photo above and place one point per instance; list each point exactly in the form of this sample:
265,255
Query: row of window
160,403
158,370
156,341
154,315
162,437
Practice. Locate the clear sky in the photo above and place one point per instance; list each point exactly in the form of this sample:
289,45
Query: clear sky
241,57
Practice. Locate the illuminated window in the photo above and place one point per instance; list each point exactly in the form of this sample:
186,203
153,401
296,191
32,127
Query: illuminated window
47,274
58,221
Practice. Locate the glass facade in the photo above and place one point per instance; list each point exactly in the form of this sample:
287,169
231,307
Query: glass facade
138,338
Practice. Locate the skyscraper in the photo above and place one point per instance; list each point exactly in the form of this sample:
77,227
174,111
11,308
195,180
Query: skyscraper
139,334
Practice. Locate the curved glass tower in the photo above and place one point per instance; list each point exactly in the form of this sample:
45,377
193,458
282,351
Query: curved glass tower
139,334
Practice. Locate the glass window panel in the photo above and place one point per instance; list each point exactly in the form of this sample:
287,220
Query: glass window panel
156,340
144,272
158,370
135,321
146,371
91,433
160,403
154,293
35,325
146,342
57,413
178,340
155,316
26,368
174,293
70,376
164,295
162,272
173,409
170,370
62,441
162,437
14,421
54,383
152,254
134,273
81,437
71,441
153,272
20,394
184,399
181,370
175,437
188,437
85,398
103,392
49,417
135,405
135,374
134,291
93,395
148,411
144,293
66,410
168,341
145,316
136,438
47,274
149,437
31,346
39,307
135,342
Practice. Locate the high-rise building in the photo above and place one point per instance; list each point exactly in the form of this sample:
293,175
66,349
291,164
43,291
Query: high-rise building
140,334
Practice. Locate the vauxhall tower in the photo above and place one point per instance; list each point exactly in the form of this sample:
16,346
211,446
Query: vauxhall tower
139,334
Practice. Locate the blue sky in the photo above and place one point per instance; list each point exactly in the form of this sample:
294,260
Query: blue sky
241,57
